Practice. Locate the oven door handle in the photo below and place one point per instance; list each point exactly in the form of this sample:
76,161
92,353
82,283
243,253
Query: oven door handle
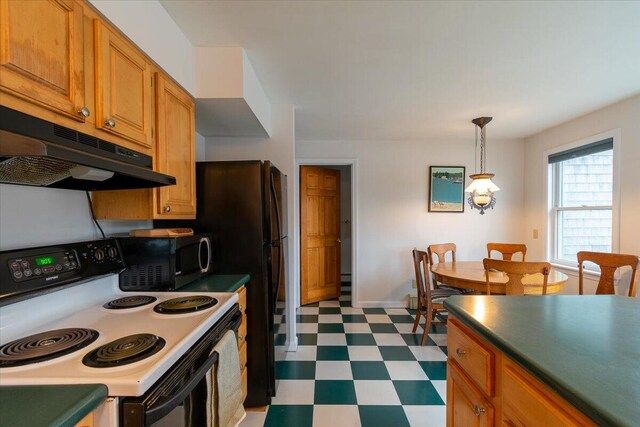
167,405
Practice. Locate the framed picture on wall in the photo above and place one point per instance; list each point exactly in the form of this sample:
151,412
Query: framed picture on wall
446,189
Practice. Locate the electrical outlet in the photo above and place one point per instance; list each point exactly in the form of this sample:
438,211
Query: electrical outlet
414,284
535,233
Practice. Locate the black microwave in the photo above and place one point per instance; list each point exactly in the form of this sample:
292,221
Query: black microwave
164,263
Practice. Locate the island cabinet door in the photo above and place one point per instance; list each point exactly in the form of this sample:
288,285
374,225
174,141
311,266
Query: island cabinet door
175,113
41,54
466,405
123,89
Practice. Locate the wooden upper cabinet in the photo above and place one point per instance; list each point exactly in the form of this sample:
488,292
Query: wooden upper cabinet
123,88
41,53
175,151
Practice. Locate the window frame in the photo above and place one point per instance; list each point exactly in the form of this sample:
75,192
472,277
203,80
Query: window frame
551,186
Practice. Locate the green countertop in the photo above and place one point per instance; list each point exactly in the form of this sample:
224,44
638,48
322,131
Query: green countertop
586,348
48,405
217,283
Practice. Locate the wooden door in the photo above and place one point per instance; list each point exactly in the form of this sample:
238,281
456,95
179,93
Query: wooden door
123,89
175,113
466,405
319,233
41,53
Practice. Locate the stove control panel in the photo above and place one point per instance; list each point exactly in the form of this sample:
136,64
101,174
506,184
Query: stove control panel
27,270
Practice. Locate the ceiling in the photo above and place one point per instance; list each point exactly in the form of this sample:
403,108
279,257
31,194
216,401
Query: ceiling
416,70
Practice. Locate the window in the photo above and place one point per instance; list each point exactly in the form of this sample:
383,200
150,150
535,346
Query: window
582,194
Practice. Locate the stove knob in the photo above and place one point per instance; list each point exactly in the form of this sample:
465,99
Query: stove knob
99,254
112,252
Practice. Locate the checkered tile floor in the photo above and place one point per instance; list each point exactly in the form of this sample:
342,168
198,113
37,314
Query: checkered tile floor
357,367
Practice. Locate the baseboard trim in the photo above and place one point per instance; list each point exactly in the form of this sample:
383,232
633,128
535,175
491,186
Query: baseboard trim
382,304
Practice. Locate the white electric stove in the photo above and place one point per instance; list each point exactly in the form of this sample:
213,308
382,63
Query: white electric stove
144,346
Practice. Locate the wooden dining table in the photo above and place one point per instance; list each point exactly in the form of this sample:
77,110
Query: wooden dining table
470,275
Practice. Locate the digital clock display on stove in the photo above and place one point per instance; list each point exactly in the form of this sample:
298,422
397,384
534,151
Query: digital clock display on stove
45,260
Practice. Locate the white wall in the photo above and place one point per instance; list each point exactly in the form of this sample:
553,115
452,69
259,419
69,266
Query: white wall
149,26
32,216
392,201
624,116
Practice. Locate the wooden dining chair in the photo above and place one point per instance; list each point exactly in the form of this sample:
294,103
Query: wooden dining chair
608,264
440,252
430,301
515,271
507,250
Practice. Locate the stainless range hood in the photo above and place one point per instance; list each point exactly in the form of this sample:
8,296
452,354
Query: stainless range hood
39,153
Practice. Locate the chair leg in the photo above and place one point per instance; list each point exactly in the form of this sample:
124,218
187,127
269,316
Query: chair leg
427,326
416,322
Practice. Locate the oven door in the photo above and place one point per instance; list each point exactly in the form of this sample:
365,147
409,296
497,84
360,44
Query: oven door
179,398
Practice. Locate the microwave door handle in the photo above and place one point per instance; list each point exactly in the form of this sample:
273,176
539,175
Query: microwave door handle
167,405
208,243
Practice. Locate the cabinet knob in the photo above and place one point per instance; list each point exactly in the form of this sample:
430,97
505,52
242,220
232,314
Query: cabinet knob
84,112
460,352
110,123
167,209
240,337
478,410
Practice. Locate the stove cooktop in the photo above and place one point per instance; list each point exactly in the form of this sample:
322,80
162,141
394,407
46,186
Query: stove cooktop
146,341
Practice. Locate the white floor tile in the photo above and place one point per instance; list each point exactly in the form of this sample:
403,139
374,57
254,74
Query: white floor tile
441,388
345,298
336,416
294,392
357,328
332,339
308,310
439,339
364,352
407,328
307,328
389,339
280,304
333,370
426,416
280,353
331,303
370,392
396,311
350,310
304,352
277,318
280,328
378,318
330,318
254,419
429,353
405,370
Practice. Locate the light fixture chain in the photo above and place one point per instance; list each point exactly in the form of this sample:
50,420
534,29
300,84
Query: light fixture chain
482,149
475,153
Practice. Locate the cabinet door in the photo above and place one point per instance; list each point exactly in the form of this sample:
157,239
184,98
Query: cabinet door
41,53
175,114
123,89
466,406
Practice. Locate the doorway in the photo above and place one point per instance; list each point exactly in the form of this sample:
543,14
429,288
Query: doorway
326,248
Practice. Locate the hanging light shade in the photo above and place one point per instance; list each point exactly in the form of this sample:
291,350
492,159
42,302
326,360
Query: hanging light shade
482,189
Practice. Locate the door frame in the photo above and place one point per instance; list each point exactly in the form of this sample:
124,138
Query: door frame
354,220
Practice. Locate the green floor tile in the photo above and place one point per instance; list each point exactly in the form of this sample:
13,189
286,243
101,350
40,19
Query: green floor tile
335,392
360,339
444,349
377,416
280,339
332,352
435,370
289,416
345,292
383,328
295,370
402,318
314,304
279,311
307,339
417,393
415,339
330,328
374,311
330,310
369,371
345,303
307,318
396,353
354,318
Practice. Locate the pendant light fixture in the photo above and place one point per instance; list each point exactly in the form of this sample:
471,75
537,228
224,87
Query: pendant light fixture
481,188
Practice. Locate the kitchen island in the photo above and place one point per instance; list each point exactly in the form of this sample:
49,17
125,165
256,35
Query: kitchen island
558,359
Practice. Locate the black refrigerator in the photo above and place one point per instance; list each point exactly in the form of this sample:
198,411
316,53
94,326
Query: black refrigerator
243,205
